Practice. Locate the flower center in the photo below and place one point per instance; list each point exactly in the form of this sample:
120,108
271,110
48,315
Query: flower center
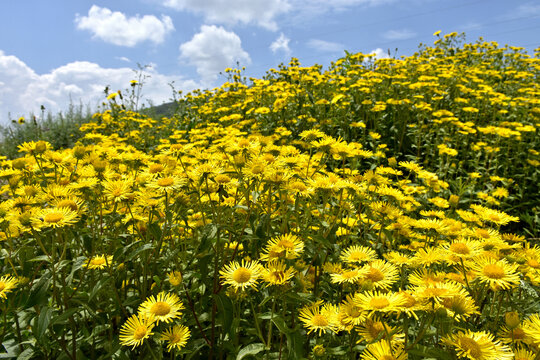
160,308
117,192
387,357
409,300
72,205
241,275
518,334
533,263
353,311
483,233
2,286
357,256
493,271
435,292
375,275
140,332
319,320
175,339
460,248
168,181
471,346
54,217
98,261
379,302
257,169
155,168
375,329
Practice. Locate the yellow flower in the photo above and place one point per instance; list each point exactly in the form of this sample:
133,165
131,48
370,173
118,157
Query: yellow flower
349,275
479,345
7,283
135,330
498,274
277,273
531,326
164,307
117,190
494,216
358,254
167,183
384,350
435,293
460,307
112,96
462,249
34,148
523,354
175,278
99,262
241,275
319,317
375,301
287,246
374,329
380,274
55,217
350,314
176,337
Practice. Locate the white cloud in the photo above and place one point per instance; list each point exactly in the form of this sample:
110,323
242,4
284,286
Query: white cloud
326,46
24,91
281,44
123,58
403,34
260,12
314,8
528,10
212,50
379,53
116,28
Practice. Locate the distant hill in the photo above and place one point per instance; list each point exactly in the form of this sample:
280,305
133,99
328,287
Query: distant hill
159,111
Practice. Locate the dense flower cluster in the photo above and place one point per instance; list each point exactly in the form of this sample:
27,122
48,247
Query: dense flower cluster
362,210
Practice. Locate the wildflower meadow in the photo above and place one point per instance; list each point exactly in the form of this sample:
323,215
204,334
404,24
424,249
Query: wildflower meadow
379,209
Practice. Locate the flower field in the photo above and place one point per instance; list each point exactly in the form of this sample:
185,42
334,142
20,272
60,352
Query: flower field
380,209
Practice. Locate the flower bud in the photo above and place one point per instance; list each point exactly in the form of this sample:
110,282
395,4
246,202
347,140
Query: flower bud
512,319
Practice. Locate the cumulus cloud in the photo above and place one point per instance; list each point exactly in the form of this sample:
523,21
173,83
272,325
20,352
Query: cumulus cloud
379,53
118,29
24,91
281,44
260,12
403,34
325,46
212,50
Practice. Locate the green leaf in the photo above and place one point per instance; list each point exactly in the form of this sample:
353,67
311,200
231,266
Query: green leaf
61,319
141,249
225,311
38,293
26,354
295,342
280,324
96,288
251,349
41,258
41,323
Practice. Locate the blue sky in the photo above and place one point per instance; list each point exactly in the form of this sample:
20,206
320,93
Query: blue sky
56,51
